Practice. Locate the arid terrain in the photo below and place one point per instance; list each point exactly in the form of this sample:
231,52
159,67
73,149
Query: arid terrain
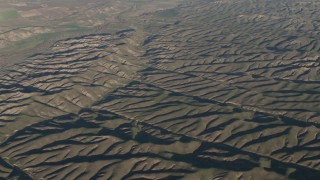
159,89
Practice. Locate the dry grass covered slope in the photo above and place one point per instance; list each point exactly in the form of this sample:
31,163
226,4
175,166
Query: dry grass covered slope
203,90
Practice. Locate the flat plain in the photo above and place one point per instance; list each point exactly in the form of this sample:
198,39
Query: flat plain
145,89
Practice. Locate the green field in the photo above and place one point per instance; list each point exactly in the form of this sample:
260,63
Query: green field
8,14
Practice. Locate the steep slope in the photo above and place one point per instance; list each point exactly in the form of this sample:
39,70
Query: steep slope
207,90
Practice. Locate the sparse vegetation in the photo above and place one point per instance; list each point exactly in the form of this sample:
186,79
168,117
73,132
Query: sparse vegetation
6,15
161,90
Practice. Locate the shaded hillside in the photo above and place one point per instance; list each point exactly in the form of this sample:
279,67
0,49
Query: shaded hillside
205,90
